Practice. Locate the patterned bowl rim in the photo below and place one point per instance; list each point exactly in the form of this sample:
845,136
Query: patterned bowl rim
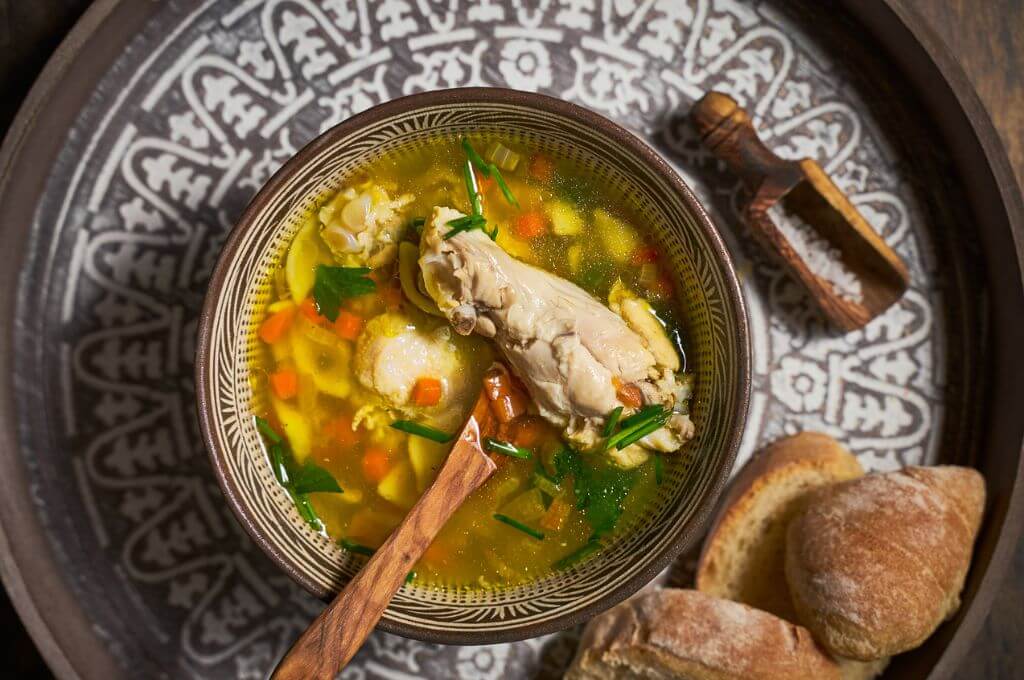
483,95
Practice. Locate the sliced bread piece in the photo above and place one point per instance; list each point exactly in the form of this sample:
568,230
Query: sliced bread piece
743,555
688,635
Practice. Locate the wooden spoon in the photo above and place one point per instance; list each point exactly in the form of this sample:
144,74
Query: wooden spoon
807,193
336,635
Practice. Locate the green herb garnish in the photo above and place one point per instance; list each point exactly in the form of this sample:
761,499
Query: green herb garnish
659,469
334,284
600,493
546,484
475,199
298,480
504,187
515,524
306,510
424,431
467,223
277,463
488,170
643,414
267,431
566,462
600,489
311,478
613,420
358,548
498,446
584,551
638,426
410,577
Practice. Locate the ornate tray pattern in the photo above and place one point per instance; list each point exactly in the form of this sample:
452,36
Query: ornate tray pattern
211,98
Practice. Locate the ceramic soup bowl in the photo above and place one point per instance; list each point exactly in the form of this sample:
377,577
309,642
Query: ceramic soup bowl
709,300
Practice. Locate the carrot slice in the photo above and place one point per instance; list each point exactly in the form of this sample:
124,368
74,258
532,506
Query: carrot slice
376,463
628,393
309,310
530,224
484,184
276,325
392,296
348,325
339,430
436,553
645,255
541,168
661,287
426,392
529,430
556,515
285,383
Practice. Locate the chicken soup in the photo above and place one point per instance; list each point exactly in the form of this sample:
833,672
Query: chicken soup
465,265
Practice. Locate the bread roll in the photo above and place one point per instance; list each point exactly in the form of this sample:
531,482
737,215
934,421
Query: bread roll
875,564
743,558
692,636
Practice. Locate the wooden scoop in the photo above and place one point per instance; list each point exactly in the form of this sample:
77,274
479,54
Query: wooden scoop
808,195
336,635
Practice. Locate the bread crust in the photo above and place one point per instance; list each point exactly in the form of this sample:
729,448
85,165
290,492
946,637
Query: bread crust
689,635
789,469
875,564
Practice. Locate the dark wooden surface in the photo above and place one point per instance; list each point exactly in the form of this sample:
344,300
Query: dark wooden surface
986,35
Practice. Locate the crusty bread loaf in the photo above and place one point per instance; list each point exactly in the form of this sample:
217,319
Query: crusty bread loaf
743,558
743,555
875,564
692,636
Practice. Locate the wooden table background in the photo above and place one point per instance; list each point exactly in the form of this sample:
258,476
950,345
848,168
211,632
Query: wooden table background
986,35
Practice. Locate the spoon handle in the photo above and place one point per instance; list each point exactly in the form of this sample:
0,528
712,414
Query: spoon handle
337,634
725,128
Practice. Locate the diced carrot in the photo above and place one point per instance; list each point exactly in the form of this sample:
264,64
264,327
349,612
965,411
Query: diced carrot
509,406
367,528
310,311
557,513
484,184
436,553
339,430
628,393
285,383
530,224
644,255
541,168
426,392
348,325
376,463
661,287
529,430
392,296
276,325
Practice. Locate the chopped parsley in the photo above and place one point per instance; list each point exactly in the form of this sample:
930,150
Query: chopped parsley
334,284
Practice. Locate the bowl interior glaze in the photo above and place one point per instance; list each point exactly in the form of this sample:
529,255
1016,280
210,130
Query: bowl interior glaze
709,301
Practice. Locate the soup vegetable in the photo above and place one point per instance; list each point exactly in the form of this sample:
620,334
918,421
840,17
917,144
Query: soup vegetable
459,266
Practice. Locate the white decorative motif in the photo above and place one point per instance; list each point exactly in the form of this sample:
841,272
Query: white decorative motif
165,179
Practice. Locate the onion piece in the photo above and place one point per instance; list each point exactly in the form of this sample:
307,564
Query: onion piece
502,156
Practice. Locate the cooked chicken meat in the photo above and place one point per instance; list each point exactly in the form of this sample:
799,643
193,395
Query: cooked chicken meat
362,227
572,352
397,349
